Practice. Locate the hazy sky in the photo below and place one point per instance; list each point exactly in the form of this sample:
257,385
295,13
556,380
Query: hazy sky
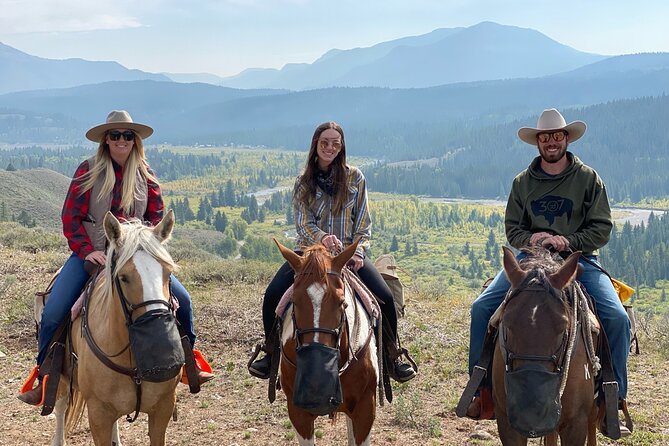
224,37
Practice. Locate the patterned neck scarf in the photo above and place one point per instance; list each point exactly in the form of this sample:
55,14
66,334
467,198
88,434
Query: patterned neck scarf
325,180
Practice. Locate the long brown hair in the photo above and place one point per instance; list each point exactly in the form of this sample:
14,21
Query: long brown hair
103,166
305,188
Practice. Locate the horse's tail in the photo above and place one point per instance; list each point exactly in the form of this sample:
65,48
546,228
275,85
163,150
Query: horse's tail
75,411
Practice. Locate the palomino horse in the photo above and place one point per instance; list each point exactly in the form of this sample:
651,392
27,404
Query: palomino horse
327,341
142,271
543,378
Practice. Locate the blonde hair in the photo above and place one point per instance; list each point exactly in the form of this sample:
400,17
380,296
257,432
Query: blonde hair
103,166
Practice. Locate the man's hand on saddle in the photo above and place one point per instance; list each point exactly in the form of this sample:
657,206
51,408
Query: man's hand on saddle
96,257
538,237
557,242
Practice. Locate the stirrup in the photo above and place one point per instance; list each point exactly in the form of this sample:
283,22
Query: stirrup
252,370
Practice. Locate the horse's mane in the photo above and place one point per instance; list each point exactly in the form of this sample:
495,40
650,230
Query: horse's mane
540,263
315,261
134,237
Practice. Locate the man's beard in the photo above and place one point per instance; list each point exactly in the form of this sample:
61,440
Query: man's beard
553,158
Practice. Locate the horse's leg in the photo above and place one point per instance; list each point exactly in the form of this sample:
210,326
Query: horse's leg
303,423
159,419
362,419
116,438
551,439
101,422
60,409
508,435
592,426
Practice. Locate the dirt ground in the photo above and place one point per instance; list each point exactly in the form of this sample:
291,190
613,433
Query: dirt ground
233,409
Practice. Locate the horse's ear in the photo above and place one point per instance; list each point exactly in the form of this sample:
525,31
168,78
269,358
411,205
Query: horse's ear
513,271
344,256
112,227
293,259
566,273
163,230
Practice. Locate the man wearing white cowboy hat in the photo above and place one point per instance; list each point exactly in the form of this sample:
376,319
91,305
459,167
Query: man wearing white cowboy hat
558,201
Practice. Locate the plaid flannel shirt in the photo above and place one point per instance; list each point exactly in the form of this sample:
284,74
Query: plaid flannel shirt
75,208
316,221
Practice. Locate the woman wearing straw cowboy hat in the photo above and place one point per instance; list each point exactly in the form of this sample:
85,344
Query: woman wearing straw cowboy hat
116,179
558,201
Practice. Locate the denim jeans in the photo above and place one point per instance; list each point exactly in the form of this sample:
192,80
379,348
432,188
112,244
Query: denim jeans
67,289
611,312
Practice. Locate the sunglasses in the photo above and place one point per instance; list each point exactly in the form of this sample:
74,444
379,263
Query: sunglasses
557,136
115,135
324,143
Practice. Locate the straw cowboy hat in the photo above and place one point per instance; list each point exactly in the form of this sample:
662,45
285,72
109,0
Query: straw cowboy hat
551,120
118,119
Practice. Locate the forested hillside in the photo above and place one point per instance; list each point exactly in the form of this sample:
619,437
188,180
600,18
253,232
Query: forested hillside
450,246
625,143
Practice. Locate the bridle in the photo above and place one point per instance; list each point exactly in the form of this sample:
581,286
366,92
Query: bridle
532,283
128,310
335,333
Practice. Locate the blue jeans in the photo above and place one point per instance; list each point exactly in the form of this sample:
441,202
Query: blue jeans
611,312
67,288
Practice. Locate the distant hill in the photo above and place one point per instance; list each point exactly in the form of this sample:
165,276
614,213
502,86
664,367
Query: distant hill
21,72
628,63
206,78
40,192
485,51
63,115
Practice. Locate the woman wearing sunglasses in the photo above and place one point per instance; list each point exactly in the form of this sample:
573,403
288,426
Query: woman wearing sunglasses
116,179
330,207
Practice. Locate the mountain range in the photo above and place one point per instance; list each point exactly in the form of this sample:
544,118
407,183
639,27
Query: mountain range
527,72
21,71
485,51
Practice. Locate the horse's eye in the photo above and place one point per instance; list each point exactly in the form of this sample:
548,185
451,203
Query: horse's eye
123,278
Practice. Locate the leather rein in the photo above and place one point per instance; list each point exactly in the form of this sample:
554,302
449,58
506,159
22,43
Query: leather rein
128,310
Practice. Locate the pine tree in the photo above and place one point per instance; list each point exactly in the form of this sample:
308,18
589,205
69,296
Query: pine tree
220,221
394,245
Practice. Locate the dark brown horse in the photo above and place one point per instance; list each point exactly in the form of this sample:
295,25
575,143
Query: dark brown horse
543,378
328,350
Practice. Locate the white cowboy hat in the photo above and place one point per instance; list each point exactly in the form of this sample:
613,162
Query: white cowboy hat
551,120
118,119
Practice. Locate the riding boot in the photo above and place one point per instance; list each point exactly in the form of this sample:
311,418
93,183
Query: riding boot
260,367
626,425
204,376
397,369
32,395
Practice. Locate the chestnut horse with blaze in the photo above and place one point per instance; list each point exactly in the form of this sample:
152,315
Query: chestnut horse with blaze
328,351
543,372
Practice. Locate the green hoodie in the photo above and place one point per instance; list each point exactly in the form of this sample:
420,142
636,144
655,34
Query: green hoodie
572,203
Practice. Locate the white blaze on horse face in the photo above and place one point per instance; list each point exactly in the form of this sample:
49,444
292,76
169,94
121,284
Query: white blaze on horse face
316,292
151,272
533,316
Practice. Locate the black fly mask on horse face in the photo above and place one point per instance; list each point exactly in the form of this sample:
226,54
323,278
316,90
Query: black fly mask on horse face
319,321
534,337
533,387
